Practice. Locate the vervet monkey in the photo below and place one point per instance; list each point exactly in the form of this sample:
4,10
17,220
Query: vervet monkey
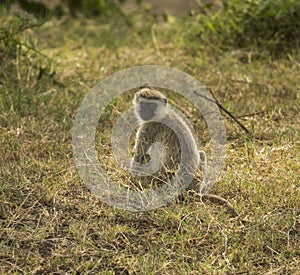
155,116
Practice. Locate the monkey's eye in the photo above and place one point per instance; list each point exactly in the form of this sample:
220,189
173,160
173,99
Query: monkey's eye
165,100
148,106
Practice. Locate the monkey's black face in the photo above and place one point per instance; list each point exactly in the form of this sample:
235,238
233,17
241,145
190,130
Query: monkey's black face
147,110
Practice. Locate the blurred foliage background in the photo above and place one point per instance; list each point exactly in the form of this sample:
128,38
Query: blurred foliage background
270,26
89,8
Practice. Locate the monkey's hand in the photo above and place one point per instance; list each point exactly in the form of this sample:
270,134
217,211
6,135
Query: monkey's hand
150,162
140,165
142,158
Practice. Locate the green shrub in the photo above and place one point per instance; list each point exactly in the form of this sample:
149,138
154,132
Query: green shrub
88,8
24,70
273,26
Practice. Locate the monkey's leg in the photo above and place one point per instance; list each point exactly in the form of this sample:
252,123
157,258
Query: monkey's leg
203,167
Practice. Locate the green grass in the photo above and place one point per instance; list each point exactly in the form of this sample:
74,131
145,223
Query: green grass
49,221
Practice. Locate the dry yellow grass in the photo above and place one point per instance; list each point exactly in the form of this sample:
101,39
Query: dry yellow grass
51,224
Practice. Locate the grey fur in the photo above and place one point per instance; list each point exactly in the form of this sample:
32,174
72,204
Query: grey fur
156,120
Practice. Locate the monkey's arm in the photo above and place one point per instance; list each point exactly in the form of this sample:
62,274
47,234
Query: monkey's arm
203,162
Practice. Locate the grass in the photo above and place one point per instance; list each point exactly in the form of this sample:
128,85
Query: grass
49,221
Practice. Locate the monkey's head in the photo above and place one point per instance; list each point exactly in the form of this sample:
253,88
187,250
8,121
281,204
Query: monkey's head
150,104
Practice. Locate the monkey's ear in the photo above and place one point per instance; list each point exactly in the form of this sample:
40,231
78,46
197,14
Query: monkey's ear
146,85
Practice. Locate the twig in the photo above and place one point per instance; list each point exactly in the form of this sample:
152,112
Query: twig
246,82
221,201
252,114
225,110
153,36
